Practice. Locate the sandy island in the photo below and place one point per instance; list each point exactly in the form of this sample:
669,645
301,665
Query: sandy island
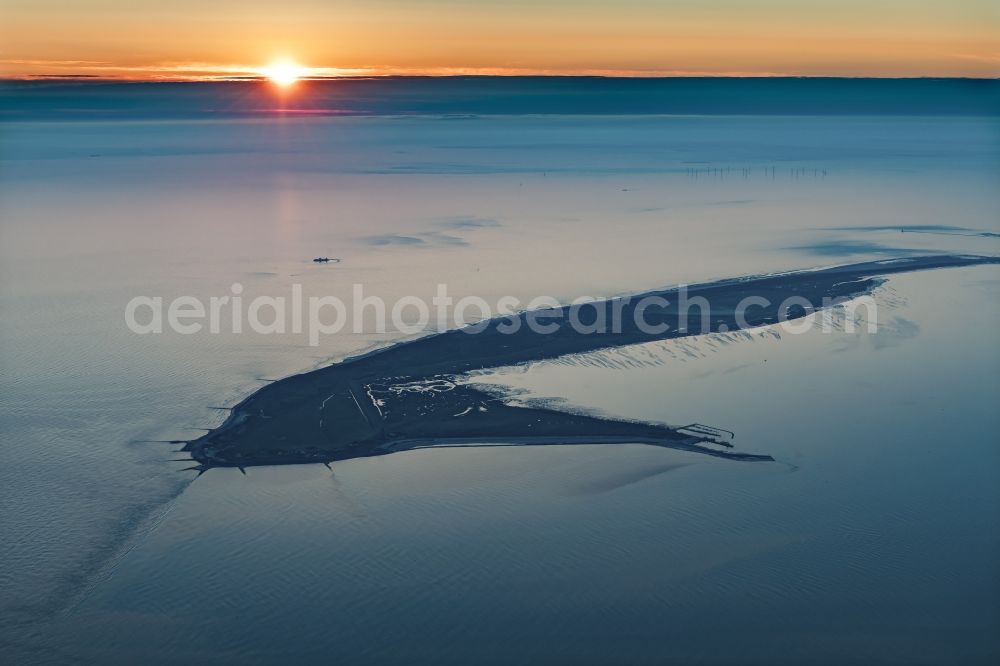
410,395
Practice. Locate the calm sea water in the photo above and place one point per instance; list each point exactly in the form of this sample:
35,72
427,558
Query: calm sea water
873,537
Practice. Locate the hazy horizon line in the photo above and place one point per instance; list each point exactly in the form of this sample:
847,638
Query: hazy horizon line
98,78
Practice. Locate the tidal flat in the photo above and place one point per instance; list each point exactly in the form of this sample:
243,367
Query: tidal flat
871,537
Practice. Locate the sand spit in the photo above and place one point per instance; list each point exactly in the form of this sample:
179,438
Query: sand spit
410,395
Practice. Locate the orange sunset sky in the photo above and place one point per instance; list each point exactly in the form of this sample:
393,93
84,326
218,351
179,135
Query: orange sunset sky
145,39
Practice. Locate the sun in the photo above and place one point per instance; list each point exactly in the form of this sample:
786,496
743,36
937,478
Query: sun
283,72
